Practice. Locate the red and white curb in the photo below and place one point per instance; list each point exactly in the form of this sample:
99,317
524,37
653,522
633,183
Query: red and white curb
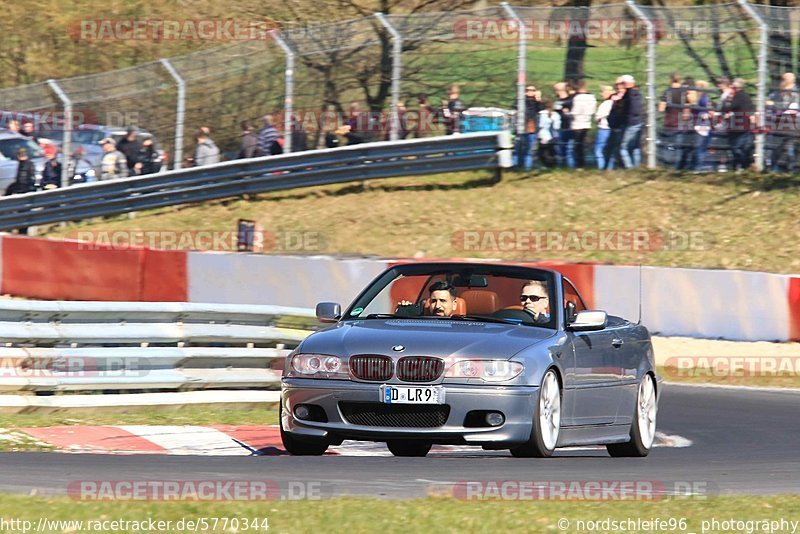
224,440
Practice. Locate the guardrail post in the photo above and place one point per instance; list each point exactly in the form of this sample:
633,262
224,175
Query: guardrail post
288,98
397,52
66,144
762,80
652,133
177,161
522,76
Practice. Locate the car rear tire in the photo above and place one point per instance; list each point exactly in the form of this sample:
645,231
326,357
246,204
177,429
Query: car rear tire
408,448
301,447
546,421
643,426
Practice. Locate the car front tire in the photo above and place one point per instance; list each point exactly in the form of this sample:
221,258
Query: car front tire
546,421
643,426
408,448
301,447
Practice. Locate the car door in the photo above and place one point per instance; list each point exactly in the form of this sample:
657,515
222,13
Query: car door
596,370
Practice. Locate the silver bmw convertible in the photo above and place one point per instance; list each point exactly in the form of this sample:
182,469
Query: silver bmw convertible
498,356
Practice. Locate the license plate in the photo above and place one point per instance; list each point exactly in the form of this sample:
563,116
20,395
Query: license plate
412,394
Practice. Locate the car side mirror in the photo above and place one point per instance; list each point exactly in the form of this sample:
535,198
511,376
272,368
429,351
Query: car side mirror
588,320
569,313
329,312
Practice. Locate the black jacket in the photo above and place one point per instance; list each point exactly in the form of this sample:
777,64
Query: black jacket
633,107
132,151
26,178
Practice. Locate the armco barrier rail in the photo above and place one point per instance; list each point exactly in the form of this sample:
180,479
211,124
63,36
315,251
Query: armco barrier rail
258,175
150,347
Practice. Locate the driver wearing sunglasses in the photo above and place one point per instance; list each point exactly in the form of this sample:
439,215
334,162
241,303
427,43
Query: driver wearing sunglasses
533,298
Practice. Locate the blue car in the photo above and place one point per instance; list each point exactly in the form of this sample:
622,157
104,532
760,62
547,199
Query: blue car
499,356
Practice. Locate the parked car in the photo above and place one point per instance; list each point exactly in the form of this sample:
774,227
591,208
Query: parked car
492,373
88,136
10,142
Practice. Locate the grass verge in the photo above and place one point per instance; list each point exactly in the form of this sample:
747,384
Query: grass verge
434,514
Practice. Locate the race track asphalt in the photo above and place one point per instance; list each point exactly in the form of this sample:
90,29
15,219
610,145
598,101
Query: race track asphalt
743,442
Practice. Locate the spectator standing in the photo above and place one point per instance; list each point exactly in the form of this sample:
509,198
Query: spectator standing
526,139
686,136
149,157
631,146
453,111
721,128
267,137
783,106
354,128
425,116
113,165
670,105
584,105
549,125
565,146
131,147
738,112
603,129
13,126
25,181
616,122
702,125
51,173
206,152
29,131
249,142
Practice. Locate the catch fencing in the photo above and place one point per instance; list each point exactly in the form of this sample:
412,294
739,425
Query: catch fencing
401,67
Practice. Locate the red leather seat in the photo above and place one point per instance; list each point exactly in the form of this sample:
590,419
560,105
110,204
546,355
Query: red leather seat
480,301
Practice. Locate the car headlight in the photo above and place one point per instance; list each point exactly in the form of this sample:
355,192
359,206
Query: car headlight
318,366
90,173
486,370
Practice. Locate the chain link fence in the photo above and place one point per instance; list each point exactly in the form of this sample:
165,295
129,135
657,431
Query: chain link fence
398,72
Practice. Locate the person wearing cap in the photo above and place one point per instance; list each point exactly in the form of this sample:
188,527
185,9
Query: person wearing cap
631,145
131,147
113,165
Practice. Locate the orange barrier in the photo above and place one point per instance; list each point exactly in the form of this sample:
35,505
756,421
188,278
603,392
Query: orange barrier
72,270
794,309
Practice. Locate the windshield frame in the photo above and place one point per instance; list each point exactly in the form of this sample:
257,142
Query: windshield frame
380,283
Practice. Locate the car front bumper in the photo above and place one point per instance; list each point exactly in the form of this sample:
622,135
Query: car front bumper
516,403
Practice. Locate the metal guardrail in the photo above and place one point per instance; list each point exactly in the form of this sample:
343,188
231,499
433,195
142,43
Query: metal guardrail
100,346
258,175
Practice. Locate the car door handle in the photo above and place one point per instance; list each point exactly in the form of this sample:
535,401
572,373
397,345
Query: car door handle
617,342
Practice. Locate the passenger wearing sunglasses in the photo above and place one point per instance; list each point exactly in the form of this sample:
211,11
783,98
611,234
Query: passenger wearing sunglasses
534,300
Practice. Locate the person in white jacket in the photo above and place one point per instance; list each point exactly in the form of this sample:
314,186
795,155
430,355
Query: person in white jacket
549,126
584,105
603,130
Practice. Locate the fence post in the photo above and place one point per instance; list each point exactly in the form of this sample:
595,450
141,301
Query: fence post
397,52
652,133
288,99
177,162
761,90
522,76
66,143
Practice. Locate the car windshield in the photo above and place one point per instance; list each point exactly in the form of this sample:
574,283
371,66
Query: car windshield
10,146
496,293
81,137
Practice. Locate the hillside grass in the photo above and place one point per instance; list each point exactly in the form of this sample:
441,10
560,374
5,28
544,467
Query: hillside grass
712,221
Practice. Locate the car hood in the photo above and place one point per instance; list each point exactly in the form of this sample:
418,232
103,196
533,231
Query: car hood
428,337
